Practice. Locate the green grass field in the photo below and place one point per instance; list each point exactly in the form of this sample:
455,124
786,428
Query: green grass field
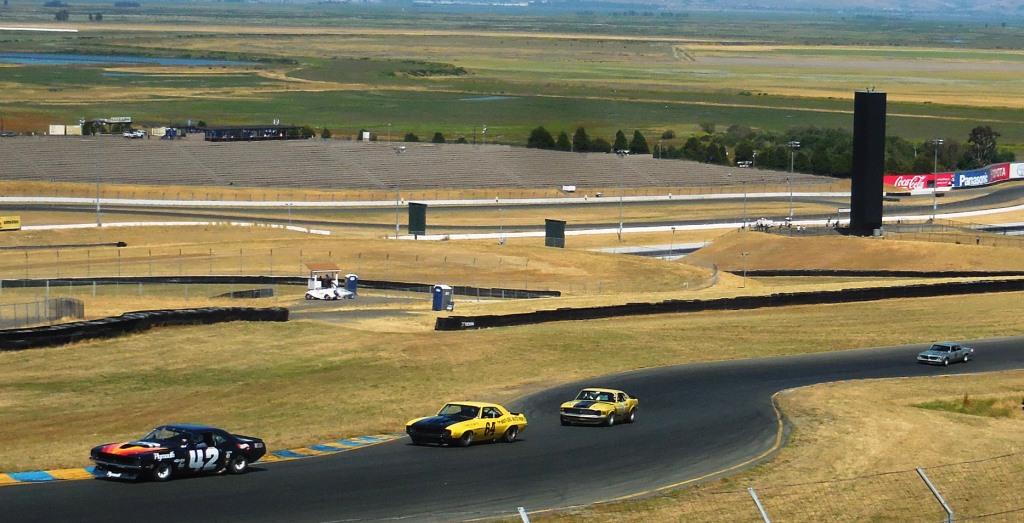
425,73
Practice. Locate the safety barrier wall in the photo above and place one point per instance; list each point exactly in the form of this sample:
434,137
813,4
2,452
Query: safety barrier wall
462,290
880,273
737,303
248,294
18,339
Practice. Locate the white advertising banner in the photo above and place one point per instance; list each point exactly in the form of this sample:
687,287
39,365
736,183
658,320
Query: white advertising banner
1016,171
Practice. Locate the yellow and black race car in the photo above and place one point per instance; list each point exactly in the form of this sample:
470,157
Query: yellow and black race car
600,407
463,422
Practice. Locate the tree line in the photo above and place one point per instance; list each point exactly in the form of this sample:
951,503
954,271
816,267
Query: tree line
814,150
581,142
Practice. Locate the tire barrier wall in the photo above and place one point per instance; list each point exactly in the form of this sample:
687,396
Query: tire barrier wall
462,290
131,322
451,323
248,294
880,274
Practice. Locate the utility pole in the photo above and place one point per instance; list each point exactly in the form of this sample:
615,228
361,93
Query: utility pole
621,153
398,193
793,146
936,142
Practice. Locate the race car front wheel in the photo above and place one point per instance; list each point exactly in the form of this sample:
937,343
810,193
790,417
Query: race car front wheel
238,464
610,420
510,434
162,472
631,417
466,439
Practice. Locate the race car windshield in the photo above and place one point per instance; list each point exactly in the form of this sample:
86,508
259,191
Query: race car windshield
459,411
593,395
163,434
940,348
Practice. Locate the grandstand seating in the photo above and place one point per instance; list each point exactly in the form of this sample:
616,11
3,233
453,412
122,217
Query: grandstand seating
340,164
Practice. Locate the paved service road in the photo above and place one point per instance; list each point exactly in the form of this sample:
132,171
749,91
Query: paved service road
694,420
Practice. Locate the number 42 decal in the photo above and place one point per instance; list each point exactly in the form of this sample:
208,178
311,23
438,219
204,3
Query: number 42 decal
203,459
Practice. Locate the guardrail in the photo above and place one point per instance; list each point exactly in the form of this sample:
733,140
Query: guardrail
452,323
461,290
767,273
60,334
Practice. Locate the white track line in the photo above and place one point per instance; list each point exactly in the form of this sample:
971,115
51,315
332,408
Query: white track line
579,200
320,232
702,226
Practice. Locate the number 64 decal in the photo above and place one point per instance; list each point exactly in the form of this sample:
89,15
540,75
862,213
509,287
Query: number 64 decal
200,459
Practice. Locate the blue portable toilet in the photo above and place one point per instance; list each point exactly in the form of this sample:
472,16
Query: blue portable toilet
443,298
351,283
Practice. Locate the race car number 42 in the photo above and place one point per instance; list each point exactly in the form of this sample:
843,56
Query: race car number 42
196,458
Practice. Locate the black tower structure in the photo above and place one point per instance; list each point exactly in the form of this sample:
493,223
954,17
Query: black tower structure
868,162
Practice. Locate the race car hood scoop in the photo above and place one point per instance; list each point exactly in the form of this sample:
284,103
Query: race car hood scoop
437,422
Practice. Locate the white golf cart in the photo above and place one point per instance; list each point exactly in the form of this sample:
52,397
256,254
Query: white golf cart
325,283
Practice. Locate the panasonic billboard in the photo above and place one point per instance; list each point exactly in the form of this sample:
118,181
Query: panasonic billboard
975,178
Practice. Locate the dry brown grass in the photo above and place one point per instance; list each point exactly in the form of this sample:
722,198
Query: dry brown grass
772,251
202,250
852,456
302,386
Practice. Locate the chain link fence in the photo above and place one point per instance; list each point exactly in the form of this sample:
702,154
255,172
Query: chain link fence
960,233
40,312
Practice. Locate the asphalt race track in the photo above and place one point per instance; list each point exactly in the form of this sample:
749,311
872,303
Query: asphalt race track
694,420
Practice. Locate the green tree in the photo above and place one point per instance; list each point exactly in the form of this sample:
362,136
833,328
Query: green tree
580,140
438,138
325,134
981,147
201,124
668,135
620,141
600,145
639,144
716,154
462,139
563,143
411,137
744,152
307,132
540,138
707,127
694,149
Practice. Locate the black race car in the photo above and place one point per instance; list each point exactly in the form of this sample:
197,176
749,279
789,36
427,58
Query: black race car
173,450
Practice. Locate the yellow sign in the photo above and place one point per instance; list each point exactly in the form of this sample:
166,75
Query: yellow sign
10,223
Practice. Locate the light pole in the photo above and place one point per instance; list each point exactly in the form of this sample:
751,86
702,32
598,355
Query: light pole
753,163
935,180
743,256
398,192
793,146
483,135
744,184
99,223
672,242
389,133
789,181
621,153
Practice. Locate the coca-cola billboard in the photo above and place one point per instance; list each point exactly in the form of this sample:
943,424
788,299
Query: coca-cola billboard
919,182
999,172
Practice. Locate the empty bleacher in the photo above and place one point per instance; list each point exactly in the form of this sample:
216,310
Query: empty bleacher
338,164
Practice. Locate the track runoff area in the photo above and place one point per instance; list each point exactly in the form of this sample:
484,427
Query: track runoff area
696,422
